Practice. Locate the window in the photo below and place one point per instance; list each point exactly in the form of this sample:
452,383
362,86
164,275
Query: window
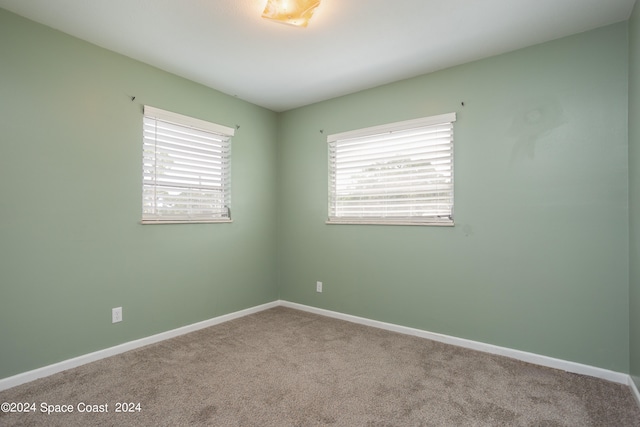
400,173
186,169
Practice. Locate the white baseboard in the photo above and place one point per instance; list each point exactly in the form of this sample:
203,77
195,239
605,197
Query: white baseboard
45,371
533,358
524,356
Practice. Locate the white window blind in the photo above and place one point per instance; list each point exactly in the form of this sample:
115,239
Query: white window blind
400,173
186,169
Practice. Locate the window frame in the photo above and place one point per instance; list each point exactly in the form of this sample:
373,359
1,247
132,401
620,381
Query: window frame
151,181
379,131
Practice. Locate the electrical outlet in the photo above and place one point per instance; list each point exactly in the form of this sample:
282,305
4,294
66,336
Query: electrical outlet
318,286
116,315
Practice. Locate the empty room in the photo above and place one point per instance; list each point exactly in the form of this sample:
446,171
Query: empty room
320,212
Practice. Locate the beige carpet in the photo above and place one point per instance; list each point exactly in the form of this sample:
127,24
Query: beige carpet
283,367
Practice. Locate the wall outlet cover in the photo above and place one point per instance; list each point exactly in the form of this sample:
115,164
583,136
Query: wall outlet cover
116,315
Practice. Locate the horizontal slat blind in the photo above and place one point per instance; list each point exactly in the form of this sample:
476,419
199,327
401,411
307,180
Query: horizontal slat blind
398,173
186,169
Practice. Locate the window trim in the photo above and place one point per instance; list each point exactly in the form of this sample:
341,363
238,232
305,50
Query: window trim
192,123
182,120
382,129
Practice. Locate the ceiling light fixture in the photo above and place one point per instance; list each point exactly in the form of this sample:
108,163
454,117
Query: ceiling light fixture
292,12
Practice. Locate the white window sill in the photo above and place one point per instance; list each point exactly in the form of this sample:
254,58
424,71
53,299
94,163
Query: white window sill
198,221
389,222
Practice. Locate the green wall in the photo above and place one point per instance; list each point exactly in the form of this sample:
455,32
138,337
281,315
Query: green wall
71,246
538,259
634,192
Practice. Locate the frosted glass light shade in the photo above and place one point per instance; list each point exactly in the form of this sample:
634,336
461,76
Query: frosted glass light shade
292,12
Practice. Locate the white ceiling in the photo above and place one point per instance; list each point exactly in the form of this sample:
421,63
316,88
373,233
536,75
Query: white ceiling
348,46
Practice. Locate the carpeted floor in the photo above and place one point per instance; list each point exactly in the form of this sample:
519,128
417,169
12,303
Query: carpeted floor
284,367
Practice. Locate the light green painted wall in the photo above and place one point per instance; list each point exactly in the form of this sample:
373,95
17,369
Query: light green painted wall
634,191
538,259
71,246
